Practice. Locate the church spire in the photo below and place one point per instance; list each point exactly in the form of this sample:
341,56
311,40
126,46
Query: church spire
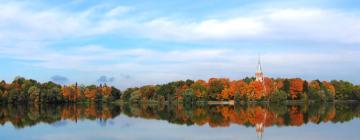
259,74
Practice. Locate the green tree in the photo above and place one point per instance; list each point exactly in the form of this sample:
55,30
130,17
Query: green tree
127,94
356,92
343,89
278,96
189,96
306,87
34,94
148,92
248,80
167,91
115,94
135,96
286,87
215,88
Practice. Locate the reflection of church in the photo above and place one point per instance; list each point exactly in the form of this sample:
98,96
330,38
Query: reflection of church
260,125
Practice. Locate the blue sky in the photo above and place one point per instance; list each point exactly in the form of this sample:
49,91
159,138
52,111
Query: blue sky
132,43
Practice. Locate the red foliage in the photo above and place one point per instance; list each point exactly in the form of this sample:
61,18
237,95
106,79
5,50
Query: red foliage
296,88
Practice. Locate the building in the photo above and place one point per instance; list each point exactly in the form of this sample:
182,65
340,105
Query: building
259,74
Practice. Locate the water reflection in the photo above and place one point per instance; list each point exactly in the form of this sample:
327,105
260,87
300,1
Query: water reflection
254,115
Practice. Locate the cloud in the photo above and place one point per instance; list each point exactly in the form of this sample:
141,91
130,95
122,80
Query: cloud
105,79
297,24
59,79
20,22
119,10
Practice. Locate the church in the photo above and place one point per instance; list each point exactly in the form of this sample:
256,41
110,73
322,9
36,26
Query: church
259,74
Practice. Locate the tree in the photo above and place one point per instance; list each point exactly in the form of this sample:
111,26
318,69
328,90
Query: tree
115,94
278,96
256,90
179,91
306,87
248,80
200,89
329,90
343,89
167,91
91,92
127,94
270,86
320,96
105,91
189,96
356,92
67,93
286,86
54,95
296,88
34,93
216,86
135,96
148,92
314,88
237,87
225,94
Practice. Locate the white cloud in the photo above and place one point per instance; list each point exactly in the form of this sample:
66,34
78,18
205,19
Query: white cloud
120,10
309,25
19,21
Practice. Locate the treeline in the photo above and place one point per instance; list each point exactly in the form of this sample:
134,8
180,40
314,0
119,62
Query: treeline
30,91
247,89
215,89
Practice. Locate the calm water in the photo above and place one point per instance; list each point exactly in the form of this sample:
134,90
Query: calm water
164,122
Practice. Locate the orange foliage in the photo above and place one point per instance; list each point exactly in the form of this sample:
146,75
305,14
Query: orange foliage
297,118
279,84
239,86
269,86
180,91
90,93
66,92
314,85
256,90
296,88
329,87
199,88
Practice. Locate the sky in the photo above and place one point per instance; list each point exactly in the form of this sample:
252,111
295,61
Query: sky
140,42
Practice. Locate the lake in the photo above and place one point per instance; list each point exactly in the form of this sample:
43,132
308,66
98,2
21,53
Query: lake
328,121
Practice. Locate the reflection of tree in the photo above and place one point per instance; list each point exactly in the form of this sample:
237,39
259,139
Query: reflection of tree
28,115
250,115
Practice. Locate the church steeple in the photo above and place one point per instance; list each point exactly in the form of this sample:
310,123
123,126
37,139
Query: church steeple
259,74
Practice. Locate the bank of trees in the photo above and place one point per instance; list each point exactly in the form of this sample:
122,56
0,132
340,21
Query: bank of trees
247,89
215,89
27,90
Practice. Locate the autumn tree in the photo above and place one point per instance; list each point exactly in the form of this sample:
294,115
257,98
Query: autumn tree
200,89
216,86
90,92
34,93
329,90
256,90
296,88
